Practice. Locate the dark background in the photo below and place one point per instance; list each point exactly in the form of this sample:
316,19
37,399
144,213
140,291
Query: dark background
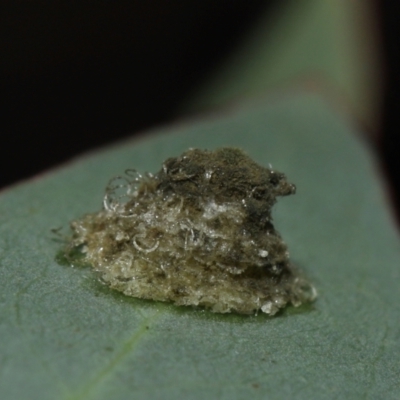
79,74
388,145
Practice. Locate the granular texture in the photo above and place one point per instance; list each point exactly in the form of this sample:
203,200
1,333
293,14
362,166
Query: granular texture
199,232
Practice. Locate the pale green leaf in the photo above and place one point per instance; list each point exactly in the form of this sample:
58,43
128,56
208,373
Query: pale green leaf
65,336
331,46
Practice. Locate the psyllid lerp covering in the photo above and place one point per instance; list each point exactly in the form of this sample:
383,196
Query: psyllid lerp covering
199,232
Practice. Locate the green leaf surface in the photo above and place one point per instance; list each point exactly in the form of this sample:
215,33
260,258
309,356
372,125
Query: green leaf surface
329,45
65,336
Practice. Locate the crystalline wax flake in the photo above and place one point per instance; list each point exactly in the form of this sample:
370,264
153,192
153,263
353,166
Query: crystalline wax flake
199,232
